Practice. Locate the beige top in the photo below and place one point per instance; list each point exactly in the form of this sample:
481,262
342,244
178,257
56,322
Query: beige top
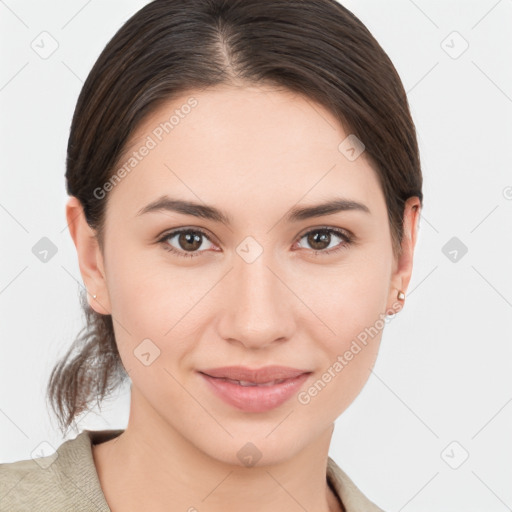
67,481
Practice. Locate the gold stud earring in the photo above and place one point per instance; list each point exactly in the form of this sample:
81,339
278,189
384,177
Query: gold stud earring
401,295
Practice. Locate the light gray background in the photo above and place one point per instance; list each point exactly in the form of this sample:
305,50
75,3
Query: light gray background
444,370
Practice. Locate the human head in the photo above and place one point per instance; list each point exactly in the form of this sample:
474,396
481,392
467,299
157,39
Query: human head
316,49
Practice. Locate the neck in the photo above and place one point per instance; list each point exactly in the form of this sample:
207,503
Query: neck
151,465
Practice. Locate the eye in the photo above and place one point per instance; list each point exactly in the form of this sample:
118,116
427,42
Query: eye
188,240
320,239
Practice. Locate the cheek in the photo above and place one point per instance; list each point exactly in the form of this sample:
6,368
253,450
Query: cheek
350,297
136,300
352,304
155,302
349,354
143,291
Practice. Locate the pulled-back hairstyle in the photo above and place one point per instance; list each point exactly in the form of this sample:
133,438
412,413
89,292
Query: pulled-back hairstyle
313,47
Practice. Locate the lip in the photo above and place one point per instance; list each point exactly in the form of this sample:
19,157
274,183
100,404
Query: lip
256,398
257,375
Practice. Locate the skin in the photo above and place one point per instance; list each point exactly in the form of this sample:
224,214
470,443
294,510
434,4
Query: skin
253,152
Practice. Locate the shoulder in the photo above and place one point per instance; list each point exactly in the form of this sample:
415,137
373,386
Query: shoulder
65,480
29,483
351,496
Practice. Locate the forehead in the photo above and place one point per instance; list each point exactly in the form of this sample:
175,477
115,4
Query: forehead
252,146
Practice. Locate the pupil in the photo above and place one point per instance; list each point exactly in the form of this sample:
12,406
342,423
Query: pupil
319,239
190,238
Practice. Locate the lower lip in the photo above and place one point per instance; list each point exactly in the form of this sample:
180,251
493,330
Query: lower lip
255,398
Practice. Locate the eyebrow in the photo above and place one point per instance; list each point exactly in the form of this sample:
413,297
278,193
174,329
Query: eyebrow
297,213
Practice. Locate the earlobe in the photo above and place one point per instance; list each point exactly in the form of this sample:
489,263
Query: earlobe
90,259
402,275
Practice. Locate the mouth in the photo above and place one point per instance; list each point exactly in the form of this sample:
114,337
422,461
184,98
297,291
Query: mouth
255,390
249,383
247,376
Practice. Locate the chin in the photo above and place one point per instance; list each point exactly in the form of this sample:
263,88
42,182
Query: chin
266,448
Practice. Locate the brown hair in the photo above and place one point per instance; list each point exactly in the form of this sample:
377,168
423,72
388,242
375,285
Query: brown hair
313,47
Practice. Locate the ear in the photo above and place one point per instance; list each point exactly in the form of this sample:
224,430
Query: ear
90,259
403,264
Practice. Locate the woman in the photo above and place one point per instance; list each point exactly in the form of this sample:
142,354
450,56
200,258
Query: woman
245,193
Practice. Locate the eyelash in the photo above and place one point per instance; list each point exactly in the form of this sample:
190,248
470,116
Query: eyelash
348,240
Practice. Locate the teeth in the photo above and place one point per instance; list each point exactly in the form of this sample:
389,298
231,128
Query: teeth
246,383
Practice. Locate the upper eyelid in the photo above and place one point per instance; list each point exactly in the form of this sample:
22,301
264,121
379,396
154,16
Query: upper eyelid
176,231
340,231
336,230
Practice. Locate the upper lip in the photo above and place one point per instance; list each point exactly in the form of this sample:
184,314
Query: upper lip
258,375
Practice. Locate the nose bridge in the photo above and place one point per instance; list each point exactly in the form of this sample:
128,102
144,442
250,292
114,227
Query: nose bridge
259,309
254,281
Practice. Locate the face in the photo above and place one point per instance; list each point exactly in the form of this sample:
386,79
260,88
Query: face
189,293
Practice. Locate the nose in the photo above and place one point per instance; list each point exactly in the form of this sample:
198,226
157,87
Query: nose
259,306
